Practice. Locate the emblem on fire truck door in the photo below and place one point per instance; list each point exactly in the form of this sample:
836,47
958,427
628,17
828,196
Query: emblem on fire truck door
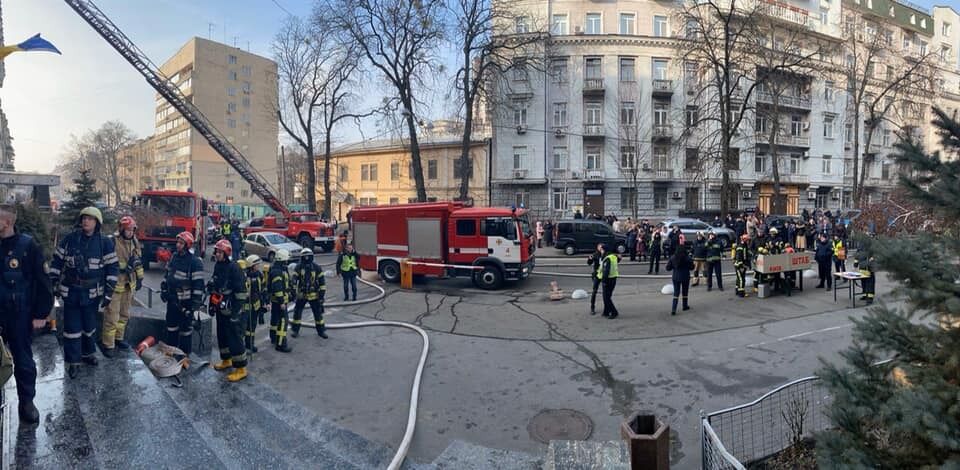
499,242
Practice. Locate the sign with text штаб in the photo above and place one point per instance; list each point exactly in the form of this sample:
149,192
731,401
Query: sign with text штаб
784,262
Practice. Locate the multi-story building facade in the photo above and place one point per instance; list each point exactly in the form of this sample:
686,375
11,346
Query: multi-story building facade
135,164
380,172
237,91
607,124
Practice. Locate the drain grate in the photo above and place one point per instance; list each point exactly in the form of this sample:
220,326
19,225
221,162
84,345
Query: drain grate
560,425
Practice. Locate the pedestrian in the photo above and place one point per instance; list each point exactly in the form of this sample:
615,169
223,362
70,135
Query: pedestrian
594,262
839,254
130,278
577,214
699,258
680,264
310,287
341,243
608,274
548,232
85,268
714,259
823,254
256,286
791,237
348,268
182,290
643,240
741,261
228,304
656,247
751,226
869,283
632,242
539,234
26,299
235,236
279,298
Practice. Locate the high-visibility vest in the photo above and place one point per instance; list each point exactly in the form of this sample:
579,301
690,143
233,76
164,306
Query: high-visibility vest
614,273
349,263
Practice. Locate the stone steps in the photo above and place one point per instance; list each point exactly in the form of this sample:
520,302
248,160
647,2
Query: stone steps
587,455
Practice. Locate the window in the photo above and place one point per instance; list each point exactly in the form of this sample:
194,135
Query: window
522,25
232,123
734,158
560,25
628,113
660,69
593,25
559,199
760,124
870,4
368,201
520,199
232,75
246,87
431,169
692,198
946,29
824,16
466,228
691,161
796,125
692,30
660,109
558,70
827,167
848,133
628,157
923,47
592,154
231,107
795,164
760,164
887,138
344,173
519,113
230,184
394,201
231,59
628,199
244,192
519,69
828,127
560,156
246,70
660,29
659,197
692,116
457,174
628,22
661,159
368,172
395,171
592,68
945,53
559,114
246,101
231,91
828,92
519,156
593,112
627,68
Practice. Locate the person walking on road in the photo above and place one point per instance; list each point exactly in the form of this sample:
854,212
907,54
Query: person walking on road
823,255
594,261
608,275
700,258
348,268
26,299
130,278
656,245
680,264
714,255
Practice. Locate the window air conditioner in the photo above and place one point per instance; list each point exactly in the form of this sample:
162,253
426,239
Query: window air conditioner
519,173
676,194
834,195
805,155
747,194
646,167
558,132
577,30
806,126
811,194
521,130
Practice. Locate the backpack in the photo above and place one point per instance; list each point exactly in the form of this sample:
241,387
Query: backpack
842,254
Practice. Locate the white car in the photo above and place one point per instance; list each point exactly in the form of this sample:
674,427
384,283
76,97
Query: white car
266,245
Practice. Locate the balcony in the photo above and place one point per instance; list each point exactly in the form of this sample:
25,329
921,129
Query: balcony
662,132
785,178
663,88
785,12
593,131
593,87
784,140
662,174
786,101
595,174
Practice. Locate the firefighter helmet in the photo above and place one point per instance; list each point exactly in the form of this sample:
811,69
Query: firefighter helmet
306,252
283,255
700,234
242,263
774,231
127,222
92,212
224,246
187,238
252,261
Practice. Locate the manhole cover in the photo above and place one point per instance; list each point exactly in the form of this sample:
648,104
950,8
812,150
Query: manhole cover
560,425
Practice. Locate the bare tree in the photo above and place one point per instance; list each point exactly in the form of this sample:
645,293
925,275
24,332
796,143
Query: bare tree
634,131
879,80
98,151
398,38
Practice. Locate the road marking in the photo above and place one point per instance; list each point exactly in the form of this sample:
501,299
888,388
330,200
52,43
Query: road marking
798,335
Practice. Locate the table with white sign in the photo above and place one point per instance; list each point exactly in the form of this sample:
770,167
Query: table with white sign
784,263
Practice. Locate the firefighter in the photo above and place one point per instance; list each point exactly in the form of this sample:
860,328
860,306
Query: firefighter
279,297
741,261
235,236
349,269
84,269
869,283
182,290
714,252
256,288
117,315
228,302
309,286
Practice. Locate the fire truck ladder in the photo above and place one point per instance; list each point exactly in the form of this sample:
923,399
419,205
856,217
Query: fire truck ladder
171,92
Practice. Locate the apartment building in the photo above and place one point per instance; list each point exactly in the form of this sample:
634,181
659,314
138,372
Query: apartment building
234,89
608,124
380,172
135,166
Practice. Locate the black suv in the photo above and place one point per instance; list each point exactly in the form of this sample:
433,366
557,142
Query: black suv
578,235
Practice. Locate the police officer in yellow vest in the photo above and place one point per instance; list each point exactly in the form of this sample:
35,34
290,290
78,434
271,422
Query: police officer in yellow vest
279,288
608,274
349,269
309,286
130,277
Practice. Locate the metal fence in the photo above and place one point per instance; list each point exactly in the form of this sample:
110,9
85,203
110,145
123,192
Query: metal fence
765,426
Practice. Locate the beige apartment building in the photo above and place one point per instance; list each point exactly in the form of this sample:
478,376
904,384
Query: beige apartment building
135,165
379,172
236,91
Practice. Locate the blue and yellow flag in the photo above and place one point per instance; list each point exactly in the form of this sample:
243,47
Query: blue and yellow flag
36,43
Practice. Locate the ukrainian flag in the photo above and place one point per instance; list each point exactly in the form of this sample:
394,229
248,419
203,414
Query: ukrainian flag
36,43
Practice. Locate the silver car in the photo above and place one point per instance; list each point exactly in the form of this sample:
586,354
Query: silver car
266,245
690,227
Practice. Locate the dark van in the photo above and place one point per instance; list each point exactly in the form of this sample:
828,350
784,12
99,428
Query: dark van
580,235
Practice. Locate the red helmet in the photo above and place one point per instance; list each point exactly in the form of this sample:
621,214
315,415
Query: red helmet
224,246
187,238
127,222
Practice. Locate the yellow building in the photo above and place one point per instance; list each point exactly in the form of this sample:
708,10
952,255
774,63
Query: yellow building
135,166
236,91
379,172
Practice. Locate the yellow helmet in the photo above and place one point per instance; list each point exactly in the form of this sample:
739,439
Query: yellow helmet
242,263
92,212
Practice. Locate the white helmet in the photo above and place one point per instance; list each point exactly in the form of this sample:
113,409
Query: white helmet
253,260
306,252
283,255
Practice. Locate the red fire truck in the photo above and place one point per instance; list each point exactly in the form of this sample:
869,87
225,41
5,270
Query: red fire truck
445,239
162,214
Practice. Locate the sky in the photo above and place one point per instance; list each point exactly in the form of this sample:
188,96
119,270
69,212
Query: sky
47,97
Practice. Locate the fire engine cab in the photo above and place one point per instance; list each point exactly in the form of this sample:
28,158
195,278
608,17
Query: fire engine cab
445,239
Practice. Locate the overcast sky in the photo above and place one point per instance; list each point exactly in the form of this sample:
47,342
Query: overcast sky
48,97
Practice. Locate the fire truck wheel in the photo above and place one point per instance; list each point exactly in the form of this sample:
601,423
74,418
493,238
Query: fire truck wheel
621,248
570,249
389,271
490,278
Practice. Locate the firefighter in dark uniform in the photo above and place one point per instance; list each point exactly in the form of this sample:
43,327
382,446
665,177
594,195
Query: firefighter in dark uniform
228,303
279,288
84,269
741,261
256,288
869,283
182,290
310,287
714,254
25,300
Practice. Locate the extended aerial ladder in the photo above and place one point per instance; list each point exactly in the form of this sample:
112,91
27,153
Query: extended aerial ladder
171,92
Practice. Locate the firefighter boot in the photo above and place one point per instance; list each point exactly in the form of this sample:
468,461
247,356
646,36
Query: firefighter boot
223,365
237,375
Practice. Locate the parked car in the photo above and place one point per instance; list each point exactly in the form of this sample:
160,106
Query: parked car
266,245
690,227
579,235
780,222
